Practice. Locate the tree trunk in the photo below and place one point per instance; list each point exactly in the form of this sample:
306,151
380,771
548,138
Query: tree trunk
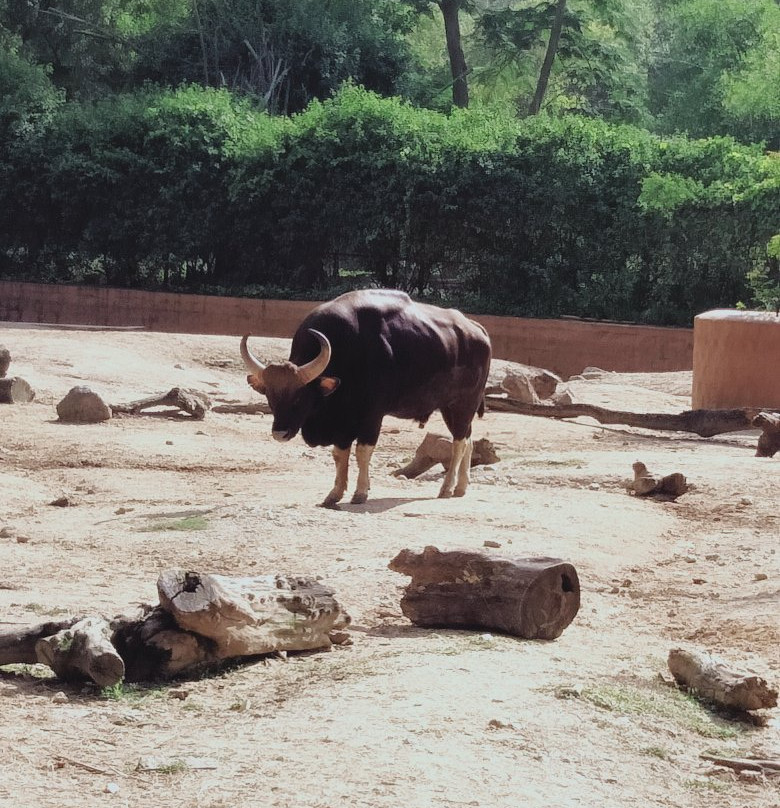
534,598
769,441
17,645
460,89
549,57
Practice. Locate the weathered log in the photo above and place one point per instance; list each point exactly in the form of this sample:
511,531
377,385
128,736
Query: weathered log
438,449
17,644
195,404
243,409
705,423
249,616
155,648
644,483
15,390
534,598
769,440
713,680
83,651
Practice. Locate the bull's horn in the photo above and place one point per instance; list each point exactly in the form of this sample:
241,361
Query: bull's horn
310,371
252,365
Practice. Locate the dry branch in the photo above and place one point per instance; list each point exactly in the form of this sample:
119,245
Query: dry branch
713,680
195,404
766,767
17,644
705,423
534,598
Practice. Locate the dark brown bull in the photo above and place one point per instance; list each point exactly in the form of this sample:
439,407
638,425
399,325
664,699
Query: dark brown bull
373,353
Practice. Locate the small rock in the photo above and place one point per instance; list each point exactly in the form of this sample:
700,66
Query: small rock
486,637
60,698
119,511
169,443
699,581
746,501
340,638
83,406
712,556
491,543
594,487
615,590
626,582
25,539
178,693
111,788
61,502
178,366
6,532
751,777
760,576
690,559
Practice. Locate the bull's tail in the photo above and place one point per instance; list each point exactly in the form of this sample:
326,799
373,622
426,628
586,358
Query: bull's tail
481,408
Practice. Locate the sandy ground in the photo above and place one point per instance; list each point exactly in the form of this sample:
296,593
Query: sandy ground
404,716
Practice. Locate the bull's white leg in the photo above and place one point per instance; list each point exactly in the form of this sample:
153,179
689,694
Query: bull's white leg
464,472
341,458
459,449
363,452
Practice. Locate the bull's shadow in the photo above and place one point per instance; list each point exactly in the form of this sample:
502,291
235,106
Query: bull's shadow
379,505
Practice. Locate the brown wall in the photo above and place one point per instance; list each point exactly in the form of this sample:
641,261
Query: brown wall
564,346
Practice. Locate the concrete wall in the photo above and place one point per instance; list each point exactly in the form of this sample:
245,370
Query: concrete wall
565,346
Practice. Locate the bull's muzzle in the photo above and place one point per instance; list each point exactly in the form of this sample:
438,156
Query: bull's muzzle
283,435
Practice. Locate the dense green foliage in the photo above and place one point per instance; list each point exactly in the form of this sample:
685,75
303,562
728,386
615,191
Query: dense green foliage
302,147
194,189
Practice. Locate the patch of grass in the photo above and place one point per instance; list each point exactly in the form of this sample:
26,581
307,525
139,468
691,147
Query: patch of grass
658,701
174,767
706,785
570,462
34,671
656,752
122,691
49,611
186,524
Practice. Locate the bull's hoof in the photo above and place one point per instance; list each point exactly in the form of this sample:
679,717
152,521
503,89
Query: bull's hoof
332,500
359,498
445,493
459,492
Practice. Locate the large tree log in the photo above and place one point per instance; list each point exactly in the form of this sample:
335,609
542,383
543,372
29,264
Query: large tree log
83,651
534,598
17,644
15,390
202,621
248,616
713,680
705,423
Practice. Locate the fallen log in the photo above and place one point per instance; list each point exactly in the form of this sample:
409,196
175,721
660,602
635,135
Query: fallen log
533,598
769,440
17,644
436,449
15,390
704,423
83,651
201,623
713,680
194,404
646,484
250,616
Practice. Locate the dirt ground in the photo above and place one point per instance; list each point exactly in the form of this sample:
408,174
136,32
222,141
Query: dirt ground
404,716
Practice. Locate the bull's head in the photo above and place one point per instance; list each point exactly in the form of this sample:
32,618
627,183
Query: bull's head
293,391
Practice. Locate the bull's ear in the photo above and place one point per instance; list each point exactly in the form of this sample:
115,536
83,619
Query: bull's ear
255,383
328,384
